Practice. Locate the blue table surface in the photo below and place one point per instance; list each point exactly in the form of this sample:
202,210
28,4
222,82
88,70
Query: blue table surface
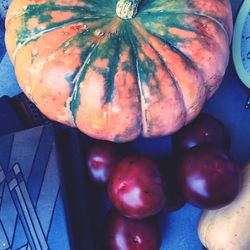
179,228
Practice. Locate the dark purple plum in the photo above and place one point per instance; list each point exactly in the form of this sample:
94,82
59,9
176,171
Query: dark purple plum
121,233
209,178
174,198
135,187
101,158
204,130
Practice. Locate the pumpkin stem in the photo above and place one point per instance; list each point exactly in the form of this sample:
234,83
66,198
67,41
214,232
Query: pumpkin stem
127,9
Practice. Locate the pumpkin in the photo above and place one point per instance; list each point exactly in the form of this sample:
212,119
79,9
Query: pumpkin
119,69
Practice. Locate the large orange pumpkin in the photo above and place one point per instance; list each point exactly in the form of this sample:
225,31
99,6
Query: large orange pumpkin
118,69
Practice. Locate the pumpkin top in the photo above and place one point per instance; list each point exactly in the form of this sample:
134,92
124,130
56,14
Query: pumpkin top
127,9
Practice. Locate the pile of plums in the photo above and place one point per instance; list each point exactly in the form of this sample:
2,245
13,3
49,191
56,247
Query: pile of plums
202,173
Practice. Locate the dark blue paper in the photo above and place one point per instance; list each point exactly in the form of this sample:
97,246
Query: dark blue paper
9,121
32,213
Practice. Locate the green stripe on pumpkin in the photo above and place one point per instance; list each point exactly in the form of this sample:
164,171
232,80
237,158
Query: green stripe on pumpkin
166,68
42,13
147,67
90,9
139,73
174,48
25,36
110,51
86,58
176,19
157,6
158,25
103,50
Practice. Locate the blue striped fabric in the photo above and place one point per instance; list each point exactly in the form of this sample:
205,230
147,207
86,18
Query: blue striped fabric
2,46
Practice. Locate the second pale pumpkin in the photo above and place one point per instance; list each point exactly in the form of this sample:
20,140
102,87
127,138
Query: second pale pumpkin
119,69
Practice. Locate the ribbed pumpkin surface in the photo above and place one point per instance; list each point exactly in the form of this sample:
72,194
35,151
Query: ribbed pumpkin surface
115,79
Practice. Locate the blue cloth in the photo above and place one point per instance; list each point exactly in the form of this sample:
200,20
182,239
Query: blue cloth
179,228
2,47
8,83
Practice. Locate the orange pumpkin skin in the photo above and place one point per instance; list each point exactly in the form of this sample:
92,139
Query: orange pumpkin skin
115,79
